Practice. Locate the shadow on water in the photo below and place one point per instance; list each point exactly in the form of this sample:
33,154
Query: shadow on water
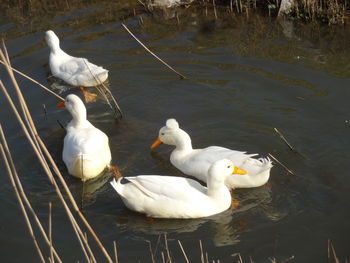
247,76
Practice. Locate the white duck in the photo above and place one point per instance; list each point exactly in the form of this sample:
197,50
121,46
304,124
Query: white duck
74,71
178,197
196,162
86,150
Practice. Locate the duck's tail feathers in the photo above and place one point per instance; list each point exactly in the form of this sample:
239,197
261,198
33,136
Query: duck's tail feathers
266,162
117,186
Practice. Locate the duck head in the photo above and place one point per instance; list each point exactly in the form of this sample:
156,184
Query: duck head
218,173
52,40
75,106
221,169
171,134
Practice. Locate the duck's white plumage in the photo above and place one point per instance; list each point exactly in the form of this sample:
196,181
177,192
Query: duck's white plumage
177,197
196,162
86,151
74,71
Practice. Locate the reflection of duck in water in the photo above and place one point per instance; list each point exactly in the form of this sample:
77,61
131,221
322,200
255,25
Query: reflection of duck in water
220,228
196,162
178,197
72,70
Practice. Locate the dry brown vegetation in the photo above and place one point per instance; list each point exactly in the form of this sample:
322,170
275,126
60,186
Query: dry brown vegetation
324,11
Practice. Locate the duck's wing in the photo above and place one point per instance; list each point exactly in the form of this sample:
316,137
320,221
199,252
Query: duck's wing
209,155
175,188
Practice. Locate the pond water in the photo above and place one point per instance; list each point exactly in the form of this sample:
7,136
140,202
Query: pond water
246,76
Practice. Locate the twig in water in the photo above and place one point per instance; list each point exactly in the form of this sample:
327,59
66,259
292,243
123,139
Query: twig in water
45,112
50,233
284,139
288,144
166,64
183,251
116,106
31,79
115,252
285,167
61,125
167,249
287,259
336,259
201,247
151,251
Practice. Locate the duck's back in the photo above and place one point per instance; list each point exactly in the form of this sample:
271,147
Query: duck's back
76,71
166,197
197,163
89,146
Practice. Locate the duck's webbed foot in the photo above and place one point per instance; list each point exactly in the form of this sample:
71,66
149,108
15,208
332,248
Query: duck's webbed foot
234,202
88,96
115,170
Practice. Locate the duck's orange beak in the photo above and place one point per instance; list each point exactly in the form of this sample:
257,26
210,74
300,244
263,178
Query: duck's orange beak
156,143
60,104
237,170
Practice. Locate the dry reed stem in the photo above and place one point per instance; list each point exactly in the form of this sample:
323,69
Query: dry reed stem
287,259
26,218
50,232
336,259
42,160
284,139
115,252
106,89
285,167
151,251
215,13
23,105
167,248
183,251
158,58
201,248
28,204
33,80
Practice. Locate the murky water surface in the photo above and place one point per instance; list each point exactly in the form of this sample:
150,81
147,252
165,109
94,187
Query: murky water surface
246,77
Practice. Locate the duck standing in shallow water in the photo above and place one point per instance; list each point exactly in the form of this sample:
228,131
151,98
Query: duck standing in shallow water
196,162
72,70
178,197
86,150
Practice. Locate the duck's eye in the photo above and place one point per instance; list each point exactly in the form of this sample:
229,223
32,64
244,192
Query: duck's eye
229,166
162,133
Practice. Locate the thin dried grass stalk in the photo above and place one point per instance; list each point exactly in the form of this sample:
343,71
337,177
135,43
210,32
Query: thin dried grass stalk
24,212
24,197
116,107
34,141
183,251
158,58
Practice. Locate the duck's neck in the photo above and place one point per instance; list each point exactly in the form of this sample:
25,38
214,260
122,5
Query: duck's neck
56,49
215,186
79,117
183,142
